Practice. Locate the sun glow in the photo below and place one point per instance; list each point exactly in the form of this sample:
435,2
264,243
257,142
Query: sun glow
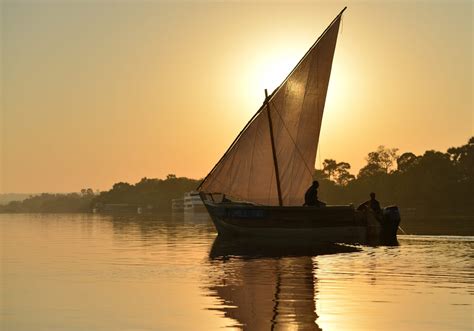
266,73
271,72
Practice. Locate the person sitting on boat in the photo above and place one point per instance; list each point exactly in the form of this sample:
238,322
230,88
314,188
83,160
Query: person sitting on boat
311,196
372,204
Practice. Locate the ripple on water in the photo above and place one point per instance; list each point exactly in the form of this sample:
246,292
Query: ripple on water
93,272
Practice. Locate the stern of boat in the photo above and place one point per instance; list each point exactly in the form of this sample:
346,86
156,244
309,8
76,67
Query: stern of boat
390,222
382,227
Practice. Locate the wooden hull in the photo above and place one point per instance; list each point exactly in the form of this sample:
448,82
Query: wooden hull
327,224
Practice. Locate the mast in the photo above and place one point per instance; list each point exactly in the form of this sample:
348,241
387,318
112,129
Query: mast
275,161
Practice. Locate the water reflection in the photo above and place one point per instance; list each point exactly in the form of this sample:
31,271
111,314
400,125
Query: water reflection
268,285
167,272
173,227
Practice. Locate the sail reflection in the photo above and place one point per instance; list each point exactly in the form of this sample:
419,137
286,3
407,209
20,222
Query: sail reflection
267,285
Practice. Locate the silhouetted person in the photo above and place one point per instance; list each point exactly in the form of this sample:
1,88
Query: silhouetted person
371,204
311,196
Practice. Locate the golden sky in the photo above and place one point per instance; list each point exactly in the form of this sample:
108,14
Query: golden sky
96,92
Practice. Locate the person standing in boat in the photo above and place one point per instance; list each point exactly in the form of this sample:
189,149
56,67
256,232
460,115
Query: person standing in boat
311,196
372,204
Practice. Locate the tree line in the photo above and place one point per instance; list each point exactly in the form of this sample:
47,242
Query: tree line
52,203
434,182
151,193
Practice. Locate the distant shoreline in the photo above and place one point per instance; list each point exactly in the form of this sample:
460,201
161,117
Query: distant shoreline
432,184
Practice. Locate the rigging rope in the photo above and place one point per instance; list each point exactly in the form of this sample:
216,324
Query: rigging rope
292,140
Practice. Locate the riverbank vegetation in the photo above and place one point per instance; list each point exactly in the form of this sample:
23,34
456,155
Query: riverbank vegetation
431,183
52,203
150,193
434,182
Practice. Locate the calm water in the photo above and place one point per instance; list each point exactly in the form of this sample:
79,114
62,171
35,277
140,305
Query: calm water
90,272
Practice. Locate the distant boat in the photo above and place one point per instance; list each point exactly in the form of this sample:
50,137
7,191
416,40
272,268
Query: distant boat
177,204
192,202
257,188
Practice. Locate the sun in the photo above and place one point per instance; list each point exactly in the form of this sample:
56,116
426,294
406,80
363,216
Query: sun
266,72
271,72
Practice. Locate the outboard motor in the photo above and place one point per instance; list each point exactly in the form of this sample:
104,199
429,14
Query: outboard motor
390,222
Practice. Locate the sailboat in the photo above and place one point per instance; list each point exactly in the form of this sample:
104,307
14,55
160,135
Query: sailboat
257,188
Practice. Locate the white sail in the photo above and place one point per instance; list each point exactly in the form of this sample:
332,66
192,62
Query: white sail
247,171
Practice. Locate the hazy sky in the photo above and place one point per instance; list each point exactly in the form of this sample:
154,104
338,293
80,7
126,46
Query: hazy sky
96,92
